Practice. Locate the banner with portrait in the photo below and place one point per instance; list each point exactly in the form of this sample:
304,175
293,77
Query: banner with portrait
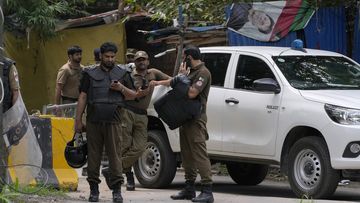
269,21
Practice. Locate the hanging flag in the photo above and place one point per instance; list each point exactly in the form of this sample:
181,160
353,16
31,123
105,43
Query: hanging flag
269,21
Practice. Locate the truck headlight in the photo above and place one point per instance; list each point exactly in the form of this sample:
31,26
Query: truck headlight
342,115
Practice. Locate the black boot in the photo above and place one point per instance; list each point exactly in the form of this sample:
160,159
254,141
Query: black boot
130,182
187,193
117,195
94,192
205,195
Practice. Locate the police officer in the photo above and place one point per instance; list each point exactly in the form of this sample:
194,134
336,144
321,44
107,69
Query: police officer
103,90
11,84
11,93
130,54
97,55
135,138
193,133
68,77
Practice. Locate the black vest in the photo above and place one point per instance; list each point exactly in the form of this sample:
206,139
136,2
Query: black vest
7,102
100,97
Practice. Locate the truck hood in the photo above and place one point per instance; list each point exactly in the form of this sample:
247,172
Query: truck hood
344,98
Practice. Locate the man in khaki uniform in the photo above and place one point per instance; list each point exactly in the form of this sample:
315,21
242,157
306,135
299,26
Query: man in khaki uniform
103,90
130,54
135,138
68,77
193,133
11,93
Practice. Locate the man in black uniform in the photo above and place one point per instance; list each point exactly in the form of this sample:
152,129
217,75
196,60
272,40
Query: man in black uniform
103,89
193,133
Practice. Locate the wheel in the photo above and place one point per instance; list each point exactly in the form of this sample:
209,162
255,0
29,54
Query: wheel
156,167
310,171
247,173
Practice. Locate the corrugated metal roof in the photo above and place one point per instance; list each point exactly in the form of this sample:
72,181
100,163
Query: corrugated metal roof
356,48
206,28
326,30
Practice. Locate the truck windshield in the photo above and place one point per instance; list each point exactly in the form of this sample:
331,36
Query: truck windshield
319,72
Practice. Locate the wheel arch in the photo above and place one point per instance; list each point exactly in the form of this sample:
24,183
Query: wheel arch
155,123
294,135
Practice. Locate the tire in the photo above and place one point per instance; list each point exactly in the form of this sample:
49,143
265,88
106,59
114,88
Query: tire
247,173
310,171
156,167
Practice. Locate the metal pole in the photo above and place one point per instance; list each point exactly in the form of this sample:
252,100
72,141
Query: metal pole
3,151
181,44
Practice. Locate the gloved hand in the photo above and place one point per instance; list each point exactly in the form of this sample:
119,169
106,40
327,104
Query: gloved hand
179,78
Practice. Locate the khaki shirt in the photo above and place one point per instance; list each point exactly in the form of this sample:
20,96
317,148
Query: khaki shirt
200,78
14,78
138,79
69,77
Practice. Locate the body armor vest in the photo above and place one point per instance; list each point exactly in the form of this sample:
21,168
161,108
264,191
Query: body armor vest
175,108
100,97
7,102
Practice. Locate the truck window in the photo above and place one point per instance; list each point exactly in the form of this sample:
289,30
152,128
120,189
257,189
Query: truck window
250,68
217,63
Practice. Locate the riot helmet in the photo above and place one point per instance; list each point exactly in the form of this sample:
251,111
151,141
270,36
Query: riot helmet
76,152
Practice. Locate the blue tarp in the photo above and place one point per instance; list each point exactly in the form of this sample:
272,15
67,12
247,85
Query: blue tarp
356,48
236,39
325,30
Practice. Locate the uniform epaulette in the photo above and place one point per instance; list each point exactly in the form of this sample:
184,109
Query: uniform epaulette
8,62
126,67
90,66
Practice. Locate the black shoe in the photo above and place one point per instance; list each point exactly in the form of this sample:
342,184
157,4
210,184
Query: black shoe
94,192
117,196
187,193
205,195
130,181
84,171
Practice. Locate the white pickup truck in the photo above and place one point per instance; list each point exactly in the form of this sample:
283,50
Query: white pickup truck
271,105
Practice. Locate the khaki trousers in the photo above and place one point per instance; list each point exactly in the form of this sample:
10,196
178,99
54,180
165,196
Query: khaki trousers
108,135
135,138
193,135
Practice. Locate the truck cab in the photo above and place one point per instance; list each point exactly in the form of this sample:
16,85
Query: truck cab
298,109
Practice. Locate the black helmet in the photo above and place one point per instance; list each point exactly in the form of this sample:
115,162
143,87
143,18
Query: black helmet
76,156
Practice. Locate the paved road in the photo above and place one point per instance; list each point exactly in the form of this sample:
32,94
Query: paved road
225,191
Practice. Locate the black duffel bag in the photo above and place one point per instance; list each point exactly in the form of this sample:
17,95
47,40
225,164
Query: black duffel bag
175,108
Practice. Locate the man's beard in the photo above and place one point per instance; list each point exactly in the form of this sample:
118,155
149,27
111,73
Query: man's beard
108,64
142,66
77,60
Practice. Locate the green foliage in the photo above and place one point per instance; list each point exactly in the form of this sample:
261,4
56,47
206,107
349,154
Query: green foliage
199,10
6,196
41,15
208,10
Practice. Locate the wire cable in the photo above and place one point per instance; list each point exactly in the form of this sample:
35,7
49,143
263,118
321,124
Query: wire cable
2,17
2,91
44,183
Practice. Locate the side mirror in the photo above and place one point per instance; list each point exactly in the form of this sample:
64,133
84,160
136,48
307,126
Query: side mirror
266,84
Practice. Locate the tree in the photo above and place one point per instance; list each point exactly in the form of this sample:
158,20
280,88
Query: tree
40,16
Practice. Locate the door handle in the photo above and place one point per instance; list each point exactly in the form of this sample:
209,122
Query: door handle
231,100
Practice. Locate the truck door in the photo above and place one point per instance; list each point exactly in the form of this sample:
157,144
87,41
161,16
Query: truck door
217,63
250,117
